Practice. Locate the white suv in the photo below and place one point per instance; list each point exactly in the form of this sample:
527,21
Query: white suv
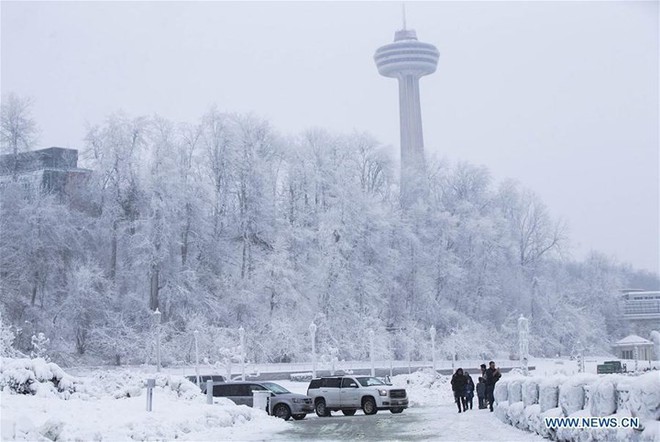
348,393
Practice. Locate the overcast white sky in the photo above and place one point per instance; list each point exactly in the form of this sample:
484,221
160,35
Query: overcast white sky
562,96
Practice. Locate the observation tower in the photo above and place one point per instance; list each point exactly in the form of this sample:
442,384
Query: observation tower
407,60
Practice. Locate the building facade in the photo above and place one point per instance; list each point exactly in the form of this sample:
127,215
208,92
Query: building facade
52,170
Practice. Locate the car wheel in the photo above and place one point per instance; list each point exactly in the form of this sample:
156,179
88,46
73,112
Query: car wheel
298,417
348,412
369,406
282,411
396,410
321,411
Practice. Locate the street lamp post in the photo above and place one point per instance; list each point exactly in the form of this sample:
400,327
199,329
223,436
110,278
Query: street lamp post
432,332
523,343
312,335
195,334
453,351
580,356
157,315
371,352
241,333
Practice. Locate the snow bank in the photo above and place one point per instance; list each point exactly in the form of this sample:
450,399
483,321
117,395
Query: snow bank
35,418
425,388
41,402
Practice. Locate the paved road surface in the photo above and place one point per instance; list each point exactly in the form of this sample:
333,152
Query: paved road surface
441,423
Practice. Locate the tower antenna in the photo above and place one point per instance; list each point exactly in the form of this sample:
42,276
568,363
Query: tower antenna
403,10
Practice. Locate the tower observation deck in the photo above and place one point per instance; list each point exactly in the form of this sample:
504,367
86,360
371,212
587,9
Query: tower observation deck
408,59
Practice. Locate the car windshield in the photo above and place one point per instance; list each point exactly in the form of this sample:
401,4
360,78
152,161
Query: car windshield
369,382
275,388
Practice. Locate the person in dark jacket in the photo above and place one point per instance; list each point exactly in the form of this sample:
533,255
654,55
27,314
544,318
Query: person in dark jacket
458,383
469,390
481,392
492,376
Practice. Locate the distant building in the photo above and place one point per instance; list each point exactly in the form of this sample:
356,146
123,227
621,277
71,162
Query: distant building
640,305
640,309
625,348
53,170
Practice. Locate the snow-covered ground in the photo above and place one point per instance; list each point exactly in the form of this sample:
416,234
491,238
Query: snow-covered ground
111,406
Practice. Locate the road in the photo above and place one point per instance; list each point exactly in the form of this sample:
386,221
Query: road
438,423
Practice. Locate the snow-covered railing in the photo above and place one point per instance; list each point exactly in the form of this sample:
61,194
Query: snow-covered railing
526,403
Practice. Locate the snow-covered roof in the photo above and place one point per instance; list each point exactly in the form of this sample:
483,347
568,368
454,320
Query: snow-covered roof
633,340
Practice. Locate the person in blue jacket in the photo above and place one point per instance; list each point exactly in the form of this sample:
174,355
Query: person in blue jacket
469,390
481,392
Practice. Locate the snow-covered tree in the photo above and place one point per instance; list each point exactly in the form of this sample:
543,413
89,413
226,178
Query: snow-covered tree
40,344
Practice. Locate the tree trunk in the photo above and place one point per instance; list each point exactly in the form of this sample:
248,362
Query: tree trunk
113,252
153,291
184,242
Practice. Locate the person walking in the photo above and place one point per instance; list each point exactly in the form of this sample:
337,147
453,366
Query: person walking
469,390
458,383
481,392
492,376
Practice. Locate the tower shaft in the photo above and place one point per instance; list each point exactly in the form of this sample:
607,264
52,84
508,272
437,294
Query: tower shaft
413,166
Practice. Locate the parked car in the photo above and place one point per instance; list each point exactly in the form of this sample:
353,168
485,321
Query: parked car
283,403
205,377
349,393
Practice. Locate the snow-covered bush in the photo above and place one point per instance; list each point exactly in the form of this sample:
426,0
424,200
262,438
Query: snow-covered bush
651,432
530,391
301,377
125,384
502,411
638,396
603,396
644,397
533,418
514,388
546,432
516,415
30,376
501,392
549,392
571,392
575,434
